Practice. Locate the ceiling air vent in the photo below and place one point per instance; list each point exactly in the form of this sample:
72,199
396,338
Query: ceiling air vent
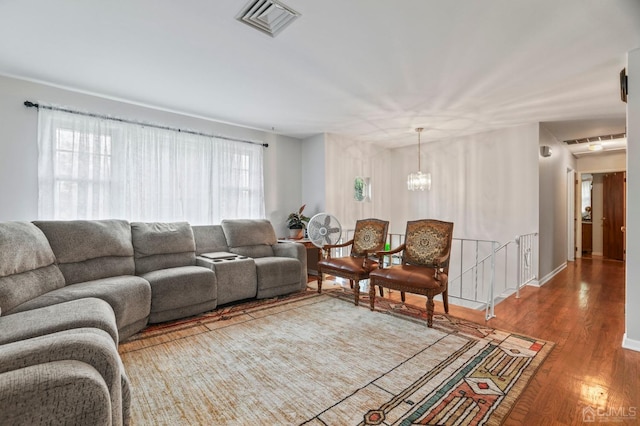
596,138
268,16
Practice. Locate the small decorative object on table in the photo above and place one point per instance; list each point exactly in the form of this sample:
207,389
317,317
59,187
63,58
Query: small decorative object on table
296,222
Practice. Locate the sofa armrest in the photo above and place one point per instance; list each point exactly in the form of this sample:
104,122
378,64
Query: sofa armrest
88,345
58,392
80,313
295,251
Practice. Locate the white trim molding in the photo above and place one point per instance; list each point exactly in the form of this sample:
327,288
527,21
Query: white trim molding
631,344
547,278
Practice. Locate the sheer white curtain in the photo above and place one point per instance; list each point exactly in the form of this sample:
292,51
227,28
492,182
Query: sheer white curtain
92,168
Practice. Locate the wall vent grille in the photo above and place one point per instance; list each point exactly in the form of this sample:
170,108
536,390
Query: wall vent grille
268,16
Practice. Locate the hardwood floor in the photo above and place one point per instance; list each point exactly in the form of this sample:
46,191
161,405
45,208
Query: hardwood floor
582,310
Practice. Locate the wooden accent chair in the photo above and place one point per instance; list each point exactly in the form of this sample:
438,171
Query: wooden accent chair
369,237
425,264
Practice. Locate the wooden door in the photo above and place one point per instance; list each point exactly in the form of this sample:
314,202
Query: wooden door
613,216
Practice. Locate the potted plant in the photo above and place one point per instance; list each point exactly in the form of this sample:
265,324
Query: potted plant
296,222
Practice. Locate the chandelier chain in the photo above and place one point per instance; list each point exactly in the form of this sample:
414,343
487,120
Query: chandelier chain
419,130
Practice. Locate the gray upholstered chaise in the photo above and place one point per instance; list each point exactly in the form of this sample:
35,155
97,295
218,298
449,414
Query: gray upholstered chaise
73,376
60,364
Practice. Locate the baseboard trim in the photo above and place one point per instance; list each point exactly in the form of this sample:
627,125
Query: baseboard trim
631,344
547,278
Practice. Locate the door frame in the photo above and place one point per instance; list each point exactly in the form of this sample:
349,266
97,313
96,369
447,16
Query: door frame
578,217
571,215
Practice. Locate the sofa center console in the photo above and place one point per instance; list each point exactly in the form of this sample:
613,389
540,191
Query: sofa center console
236,276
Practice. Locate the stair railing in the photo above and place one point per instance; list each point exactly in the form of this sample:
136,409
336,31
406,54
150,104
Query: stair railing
481,272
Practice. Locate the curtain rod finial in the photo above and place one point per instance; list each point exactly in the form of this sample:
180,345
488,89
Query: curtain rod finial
30,104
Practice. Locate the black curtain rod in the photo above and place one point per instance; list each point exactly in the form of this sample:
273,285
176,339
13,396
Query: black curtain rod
30,104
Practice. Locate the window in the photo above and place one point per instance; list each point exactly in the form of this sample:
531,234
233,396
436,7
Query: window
92,168
78,185
587,185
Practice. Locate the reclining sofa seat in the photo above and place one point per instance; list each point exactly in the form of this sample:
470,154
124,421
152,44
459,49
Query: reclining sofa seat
72,376
281,268
165,257
96,260
27,266
69,346
236,276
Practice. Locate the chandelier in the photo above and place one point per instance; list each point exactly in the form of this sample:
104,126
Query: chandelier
419,181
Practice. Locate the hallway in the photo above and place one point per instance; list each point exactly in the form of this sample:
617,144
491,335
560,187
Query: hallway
582,310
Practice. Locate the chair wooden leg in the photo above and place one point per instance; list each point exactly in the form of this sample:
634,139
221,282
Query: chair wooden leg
356,293
429,311
351,283
402,296
445,300
381,291
319,282
372,295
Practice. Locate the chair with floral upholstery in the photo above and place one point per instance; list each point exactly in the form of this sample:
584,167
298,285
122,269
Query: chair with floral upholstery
369,237
425,264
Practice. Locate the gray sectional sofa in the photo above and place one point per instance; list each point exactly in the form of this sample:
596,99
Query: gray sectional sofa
70,291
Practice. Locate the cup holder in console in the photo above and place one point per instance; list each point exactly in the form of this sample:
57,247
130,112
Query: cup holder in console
230,259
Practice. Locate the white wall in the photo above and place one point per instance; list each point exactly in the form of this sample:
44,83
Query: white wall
553,211
632,308
18,152
313,175
282,181
18,147
602,163
487,184
347,158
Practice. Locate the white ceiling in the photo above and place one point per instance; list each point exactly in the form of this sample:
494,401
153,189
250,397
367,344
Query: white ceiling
373,70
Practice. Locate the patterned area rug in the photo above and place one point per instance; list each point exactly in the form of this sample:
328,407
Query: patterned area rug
319,360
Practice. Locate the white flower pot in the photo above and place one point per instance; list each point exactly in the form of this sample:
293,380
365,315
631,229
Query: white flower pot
296,233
